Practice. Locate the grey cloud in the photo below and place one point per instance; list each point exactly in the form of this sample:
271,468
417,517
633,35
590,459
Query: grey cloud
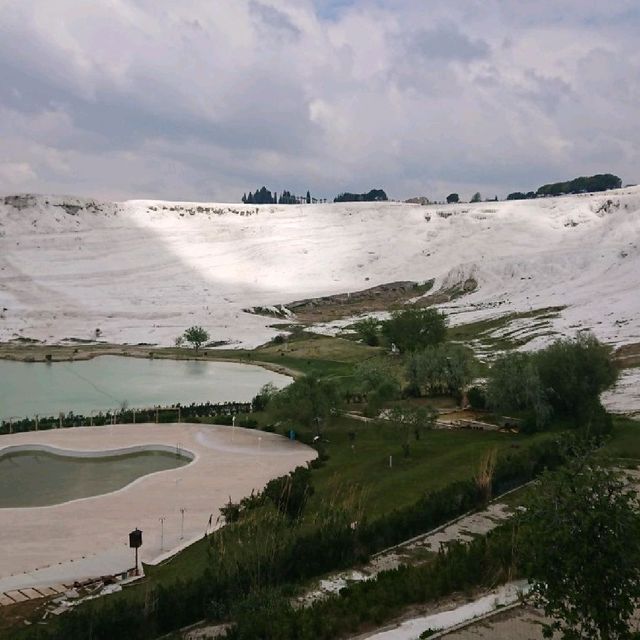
274,19
207,100
448,43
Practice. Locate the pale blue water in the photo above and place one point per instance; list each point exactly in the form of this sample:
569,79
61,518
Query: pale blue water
106,382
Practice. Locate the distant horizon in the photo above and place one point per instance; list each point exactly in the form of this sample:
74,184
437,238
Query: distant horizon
486,197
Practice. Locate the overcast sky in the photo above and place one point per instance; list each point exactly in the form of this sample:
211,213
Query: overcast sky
206,99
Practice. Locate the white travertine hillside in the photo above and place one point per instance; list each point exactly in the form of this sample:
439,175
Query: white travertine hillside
143,271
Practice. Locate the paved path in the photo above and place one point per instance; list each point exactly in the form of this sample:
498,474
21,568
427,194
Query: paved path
412,551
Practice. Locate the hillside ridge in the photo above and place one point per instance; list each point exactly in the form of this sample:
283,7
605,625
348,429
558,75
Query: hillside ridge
144,270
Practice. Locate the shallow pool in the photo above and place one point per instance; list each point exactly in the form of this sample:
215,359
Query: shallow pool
109,382
42,478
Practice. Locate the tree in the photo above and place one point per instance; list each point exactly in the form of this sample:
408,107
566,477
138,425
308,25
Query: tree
379,382
308,198
581,545
367,329
415,328
413,420
375,195
514,385
476,197
196,336
308,401
574,372
442,368
453,197
598,182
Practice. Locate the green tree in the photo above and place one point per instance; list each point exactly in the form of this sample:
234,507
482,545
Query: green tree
514,386
453,197
196,336
308,401
574,372
476,197
581,544
367,329
378,381
443,368
415,328
308,198
412,420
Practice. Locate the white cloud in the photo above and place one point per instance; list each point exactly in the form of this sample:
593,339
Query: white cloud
16,174
206,100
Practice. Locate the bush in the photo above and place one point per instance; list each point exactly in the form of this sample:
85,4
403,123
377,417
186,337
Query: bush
414,329
477,398
367,330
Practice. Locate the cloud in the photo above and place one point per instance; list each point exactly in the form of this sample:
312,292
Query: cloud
201,100
448,43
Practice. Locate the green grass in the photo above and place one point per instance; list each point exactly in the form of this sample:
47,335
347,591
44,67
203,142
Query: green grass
308,354
438,458
624,443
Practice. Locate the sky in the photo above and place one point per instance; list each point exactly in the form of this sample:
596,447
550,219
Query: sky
208,99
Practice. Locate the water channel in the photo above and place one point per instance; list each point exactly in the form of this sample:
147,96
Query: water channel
109,382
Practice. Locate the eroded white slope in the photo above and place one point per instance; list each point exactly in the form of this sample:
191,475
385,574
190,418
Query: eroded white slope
142,271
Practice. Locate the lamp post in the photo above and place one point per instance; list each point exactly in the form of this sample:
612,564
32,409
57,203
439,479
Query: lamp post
182,523
161,533
135,542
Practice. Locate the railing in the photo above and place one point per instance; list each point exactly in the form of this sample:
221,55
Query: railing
125,416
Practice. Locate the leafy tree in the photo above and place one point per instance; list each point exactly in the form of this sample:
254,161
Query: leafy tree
581,543
598,182
415,420
443,368
519,195
286,197
375,195
514,385
415,328
379,382
453,197
476,197
308,401
574,372
262,398
196,336
367,329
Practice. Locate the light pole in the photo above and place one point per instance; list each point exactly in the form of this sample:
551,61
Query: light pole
182,523
135,542
161,518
